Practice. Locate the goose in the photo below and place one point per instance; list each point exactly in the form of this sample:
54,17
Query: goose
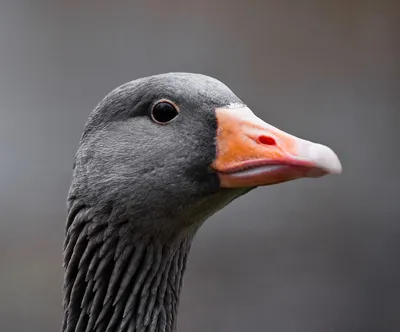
158,156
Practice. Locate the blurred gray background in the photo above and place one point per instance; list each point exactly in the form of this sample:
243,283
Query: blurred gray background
310,255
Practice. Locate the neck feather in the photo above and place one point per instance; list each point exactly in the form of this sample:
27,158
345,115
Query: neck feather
117,280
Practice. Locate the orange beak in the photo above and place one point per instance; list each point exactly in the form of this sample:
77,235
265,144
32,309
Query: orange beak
253,153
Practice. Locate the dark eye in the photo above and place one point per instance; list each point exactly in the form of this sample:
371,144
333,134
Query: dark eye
164,112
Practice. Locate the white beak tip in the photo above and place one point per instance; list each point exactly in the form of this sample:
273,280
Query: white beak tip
325,158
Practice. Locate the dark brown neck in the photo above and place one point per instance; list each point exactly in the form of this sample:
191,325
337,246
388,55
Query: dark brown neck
119,281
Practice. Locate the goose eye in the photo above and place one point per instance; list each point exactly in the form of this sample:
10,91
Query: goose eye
164,112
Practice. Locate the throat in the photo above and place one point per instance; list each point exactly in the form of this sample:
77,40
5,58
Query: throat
117,280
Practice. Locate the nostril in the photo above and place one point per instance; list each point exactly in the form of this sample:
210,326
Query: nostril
267,140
